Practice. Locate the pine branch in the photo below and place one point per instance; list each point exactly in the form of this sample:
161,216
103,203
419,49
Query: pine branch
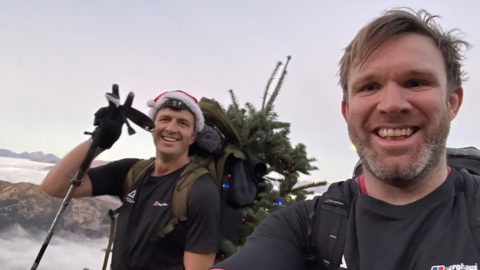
251,109
277,88
265,94
234,101
309,185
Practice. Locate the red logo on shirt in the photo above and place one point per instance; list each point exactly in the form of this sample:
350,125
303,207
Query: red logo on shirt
159,204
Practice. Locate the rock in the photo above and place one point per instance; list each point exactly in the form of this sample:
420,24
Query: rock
25,204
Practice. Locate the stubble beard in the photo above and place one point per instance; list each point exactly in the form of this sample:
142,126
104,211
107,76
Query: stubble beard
404,175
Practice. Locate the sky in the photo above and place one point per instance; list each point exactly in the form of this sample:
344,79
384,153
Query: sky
59,58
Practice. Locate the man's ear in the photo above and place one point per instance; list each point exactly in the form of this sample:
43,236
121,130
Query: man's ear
194,137
345,110
454,102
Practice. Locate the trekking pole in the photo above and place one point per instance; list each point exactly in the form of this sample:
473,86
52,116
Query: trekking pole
76,181
127,112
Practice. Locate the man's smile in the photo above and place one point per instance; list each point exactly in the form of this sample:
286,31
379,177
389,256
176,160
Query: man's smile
395,133
170,139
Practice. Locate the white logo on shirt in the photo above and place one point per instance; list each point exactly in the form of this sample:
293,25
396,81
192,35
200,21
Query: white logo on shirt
159,204
131,196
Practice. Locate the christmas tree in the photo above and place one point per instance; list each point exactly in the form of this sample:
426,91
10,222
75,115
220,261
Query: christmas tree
266,137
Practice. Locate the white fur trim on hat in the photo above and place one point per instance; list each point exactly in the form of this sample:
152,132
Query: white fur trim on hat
190,101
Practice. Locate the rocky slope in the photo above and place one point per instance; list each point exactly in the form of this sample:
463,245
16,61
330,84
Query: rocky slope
25,204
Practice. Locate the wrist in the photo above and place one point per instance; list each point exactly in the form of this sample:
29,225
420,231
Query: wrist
99,150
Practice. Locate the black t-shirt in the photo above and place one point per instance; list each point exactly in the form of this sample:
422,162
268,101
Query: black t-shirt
147,208
431,232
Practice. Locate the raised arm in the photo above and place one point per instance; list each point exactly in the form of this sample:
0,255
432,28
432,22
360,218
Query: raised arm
57,181
109,124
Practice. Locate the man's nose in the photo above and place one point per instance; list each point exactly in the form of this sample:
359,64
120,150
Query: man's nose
171,126
393,99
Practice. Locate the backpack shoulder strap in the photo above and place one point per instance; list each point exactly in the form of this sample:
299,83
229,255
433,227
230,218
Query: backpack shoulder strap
330,226
137,170
180,196
471,186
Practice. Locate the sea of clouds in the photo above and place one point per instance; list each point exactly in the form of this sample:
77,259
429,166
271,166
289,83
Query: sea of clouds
19,248
16,170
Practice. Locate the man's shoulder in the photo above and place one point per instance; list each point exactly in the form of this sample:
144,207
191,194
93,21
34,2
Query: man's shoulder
121,165
337,193
203,186
339,188
128,162
202,177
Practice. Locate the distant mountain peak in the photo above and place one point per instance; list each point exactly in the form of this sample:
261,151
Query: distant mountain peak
34,156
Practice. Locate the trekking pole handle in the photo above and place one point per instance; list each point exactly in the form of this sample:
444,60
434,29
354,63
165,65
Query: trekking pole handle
75,182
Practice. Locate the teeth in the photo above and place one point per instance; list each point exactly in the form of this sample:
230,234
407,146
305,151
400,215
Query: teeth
394,132
170,139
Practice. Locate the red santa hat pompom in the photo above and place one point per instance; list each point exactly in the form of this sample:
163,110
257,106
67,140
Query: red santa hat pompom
188,100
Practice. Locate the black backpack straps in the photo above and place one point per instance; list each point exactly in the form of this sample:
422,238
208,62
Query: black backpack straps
474,214
309,247
330,225
467,158
471,186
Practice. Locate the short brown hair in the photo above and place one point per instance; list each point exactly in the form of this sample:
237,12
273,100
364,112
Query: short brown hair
397,22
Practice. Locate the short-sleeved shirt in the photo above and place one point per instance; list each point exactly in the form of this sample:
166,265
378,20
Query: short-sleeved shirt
147,208
431,233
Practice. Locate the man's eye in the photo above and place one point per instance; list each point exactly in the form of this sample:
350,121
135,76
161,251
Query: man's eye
415,83
369,87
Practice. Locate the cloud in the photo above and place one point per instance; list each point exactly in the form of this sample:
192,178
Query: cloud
19,248
15,170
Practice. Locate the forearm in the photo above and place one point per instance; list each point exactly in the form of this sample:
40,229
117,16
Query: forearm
277,242
57,181
198,261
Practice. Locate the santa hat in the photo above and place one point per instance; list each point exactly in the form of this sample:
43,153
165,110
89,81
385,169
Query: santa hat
187,99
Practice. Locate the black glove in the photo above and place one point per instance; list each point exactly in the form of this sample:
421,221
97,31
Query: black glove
109,122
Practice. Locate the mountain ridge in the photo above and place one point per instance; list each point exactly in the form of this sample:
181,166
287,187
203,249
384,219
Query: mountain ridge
38,156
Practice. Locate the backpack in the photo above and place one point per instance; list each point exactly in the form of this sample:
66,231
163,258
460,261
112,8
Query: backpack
235,172
327,229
